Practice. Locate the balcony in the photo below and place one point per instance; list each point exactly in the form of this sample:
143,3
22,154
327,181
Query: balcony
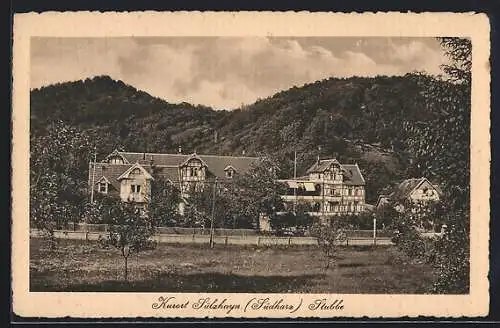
329,198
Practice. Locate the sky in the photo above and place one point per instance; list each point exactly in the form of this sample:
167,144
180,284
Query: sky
226,72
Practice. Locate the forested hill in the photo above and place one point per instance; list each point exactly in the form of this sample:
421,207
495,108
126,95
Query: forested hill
356,119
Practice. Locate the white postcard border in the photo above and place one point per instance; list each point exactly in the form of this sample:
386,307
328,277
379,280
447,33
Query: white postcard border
94,24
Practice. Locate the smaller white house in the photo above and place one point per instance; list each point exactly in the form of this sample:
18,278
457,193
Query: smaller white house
411,191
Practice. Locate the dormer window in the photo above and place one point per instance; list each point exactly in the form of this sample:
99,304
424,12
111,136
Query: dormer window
102,187
229,170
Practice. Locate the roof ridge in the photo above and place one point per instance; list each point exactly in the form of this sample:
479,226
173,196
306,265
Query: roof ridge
229,156
174,154
136,153
165,166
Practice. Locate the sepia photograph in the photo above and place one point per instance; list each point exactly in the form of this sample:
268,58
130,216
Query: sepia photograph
265,164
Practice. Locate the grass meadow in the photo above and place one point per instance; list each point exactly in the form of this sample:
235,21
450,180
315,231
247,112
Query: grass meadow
80,266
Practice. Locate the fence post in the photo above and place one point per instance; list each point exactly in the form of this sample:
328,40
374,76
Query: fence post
106,228
258,240
289,241
225,241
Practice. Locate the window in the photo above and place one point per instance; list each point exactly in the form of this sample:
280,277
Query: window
229,173
135,172
116,160
103,187
135,188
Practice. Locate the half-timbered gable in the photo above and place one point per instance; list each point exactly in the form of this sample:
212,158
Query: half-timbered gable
330,188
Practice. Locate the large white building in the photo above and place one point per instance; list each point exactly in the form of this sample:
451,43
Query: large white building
128,175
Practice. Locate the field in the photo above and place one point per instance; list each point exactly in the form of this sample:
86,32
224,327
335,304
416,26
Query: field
76,266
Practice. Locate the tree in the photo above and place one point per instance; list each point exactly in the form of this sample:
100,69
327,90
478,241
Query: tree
200,203
130,231
441,149
163,201
58,181
459,50
256,192
330,237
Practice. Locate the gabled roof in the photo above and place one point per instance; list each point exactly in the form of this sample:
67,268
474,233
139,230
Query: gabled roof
215,163
322,165
406,187
102,178
381,197
229,167
110,171
117,153
193,156
352,173
133,167
167,165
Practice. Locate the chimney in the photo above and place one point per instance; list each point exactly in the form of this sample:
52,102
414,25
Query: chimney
144,156
180,150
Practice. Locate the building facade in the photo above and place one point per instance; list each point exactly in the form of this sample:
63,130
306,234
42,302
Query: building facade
128,175
328,189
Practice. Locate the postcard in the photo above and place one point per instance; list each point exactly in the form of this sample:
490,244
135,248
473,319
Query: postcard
250,165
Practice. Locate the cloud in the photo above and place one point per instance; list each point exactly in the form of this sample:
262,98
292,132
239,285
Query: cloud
225,72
